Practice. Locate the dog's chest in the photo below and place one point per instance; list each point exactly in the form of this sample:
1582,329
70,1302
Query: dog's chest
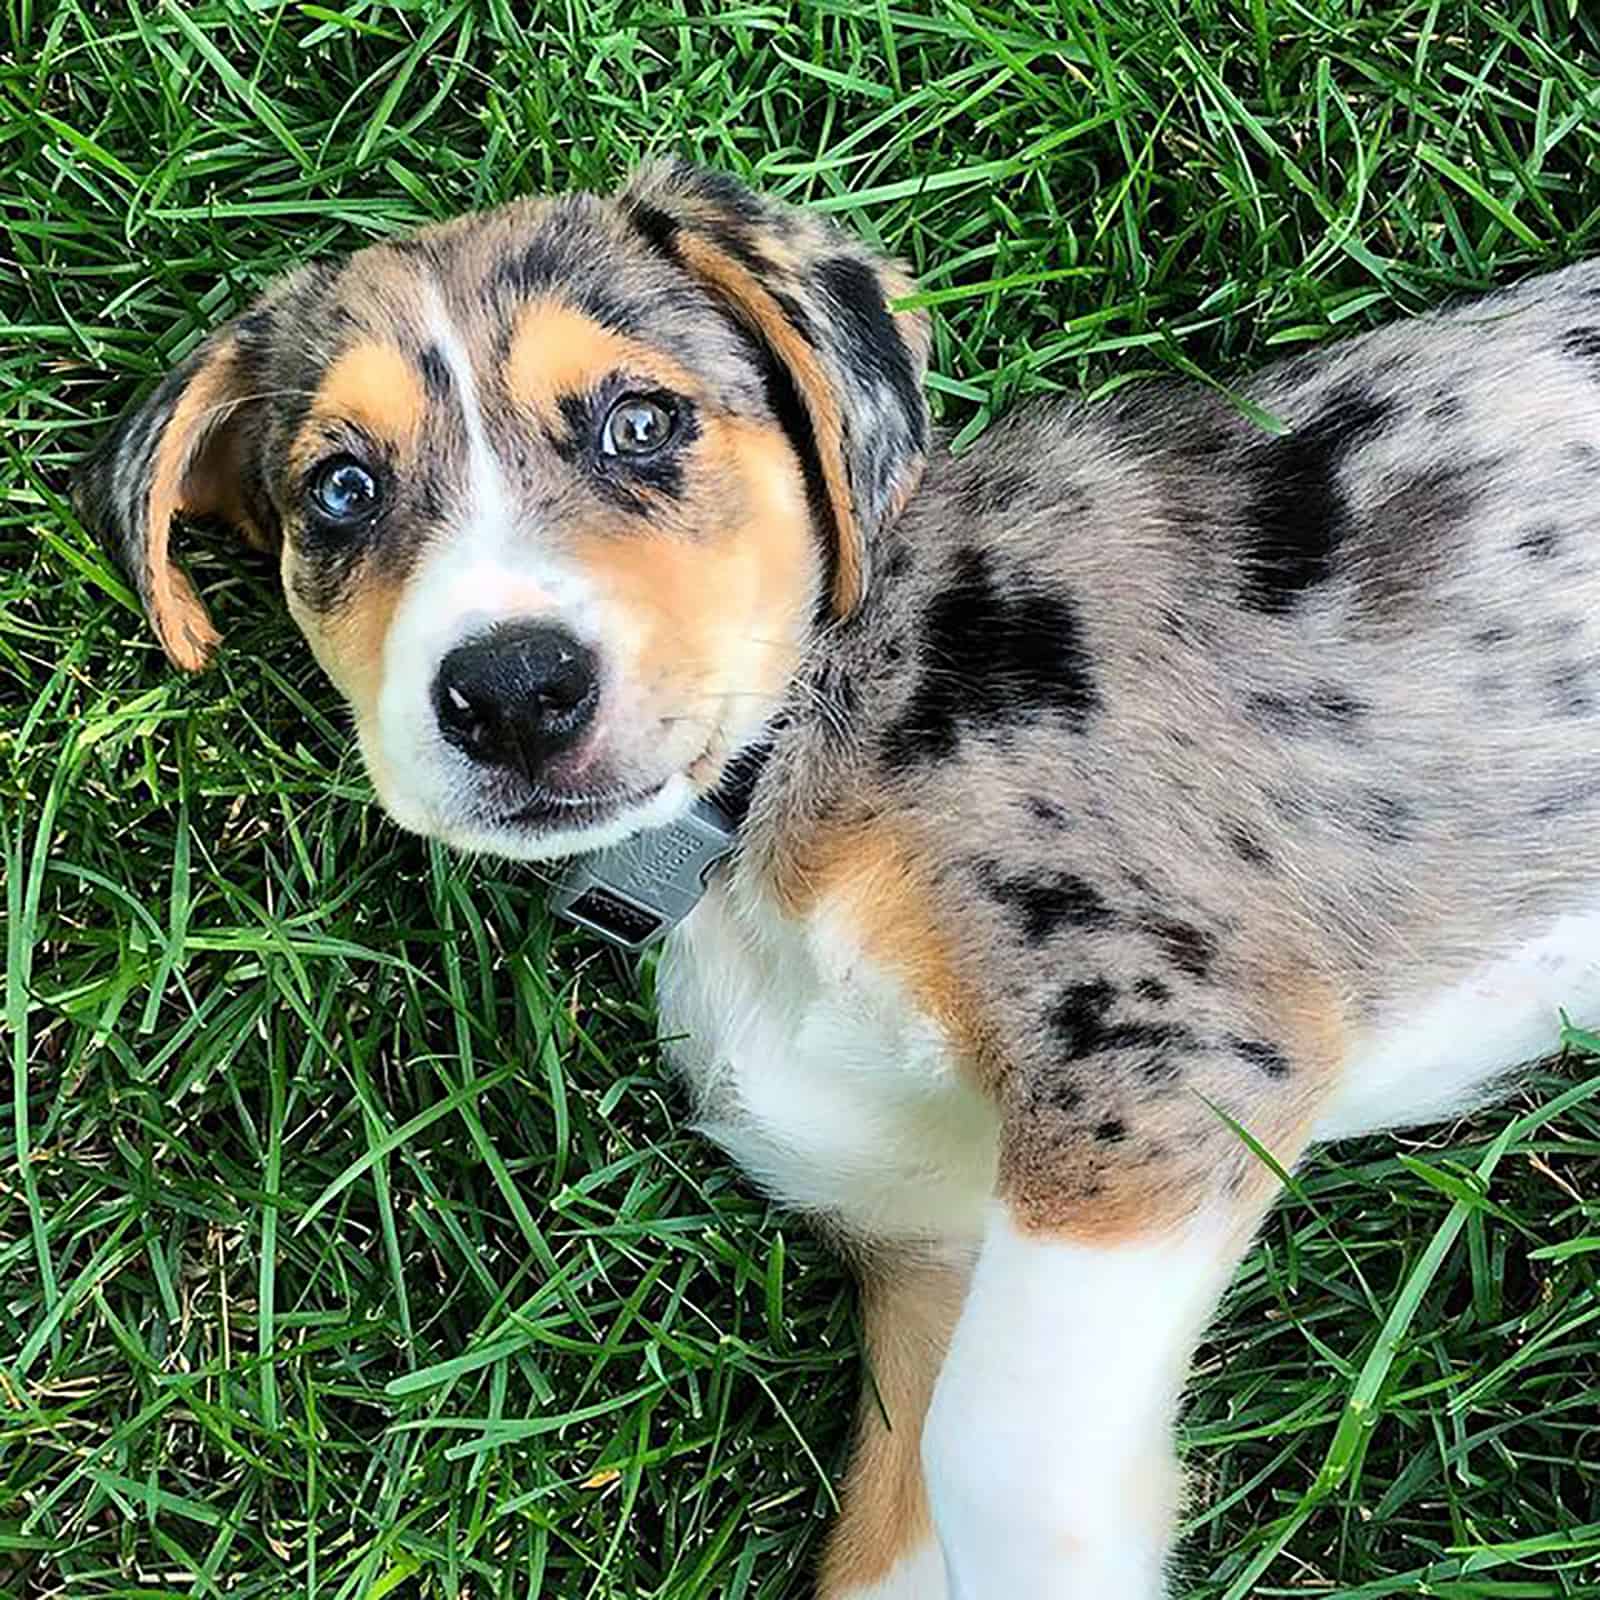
810,1067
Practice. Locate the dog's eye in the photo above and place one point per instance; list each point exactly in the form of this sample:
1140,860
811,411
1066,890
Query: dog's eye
637,425
344,492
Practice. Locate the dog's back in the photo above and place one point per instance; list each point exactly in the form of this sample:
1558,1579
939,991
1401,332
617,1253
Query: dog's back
1188,723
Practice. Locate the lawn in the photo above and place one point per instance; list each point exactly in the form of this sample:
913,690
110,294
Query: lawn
352,1241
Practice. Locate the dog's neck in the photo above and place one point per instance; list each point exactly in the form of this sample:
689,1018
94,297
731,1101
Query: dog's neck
803,775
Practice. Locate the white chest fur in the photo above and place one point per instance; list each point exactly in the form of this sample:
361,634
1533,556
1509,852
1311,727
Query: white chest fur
813,1071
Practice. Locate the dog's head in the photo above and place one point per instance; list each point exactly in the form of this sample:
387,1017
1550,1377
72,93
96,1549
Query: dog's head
559,491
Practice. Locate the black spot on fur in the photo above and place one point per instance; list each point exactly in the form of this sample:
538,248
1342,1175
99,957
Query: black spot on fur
1582,344
1493,636
1247,846
1188,948
1112,1131
1265,1058
1046,904
1297,513
1046,811
534,269
436,377
1080,1023
1541,543
1153,990
658,230
1387,819
992,655
1078,1019
871,345
1444,407
1320,708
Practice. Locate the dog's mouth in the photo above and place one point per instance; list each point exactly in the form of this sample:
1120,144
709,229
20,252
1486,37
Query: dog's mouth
549,809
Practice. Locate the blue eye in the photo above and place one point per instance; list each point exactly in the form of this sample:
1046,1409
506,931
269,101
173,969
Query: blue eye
344,492
638,425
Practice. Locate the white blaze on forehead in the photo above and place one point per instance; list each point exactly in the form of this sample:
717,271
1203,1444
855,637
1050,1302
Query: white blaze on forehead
488,561
488,503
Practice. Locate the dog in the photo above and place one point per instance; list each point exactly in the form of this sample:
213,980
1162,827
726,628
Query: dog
1119,807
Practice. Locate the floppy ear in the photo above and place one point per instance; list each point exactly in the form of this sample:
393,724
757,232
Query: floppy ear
183,451
848,371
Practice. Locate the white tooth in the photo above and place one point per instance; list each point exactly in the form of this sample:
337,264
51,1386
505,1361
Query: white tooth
459,700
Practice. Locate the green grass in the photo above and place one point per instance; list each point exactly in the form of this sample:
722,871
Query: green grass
351,1241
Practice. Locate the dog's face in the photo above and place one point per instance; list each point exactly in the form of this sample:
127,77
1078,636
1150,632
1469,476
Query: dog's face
559,491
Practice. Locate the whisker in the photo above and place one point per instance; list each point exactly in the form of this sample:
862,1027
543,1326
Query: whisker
233,402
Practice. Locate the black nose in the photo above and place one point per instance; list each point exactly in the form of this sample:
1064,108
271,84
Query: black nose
517,695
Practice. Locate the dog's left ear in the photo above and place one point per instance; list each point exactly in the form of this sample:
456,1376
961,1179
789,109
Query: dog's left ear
183,451
847,369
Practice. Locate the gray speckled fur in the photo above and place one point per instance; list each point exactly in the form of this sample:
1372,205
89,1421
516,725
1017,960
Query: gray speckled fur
1375,779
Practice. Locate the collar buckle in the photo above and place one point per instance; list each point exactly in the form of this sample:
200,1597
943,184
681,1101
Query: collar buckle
636,892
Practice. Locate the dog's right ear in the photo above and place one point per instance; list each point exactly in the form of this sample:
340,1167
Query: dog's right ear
185,450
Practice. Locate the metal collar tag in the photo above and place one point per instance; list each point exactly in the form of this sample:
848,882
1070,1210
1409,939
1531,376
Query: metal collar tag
635,892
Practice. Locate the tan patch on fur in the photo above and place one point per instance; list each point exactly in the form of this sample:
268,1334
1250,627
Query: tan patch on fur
557,350
374,385
715,608
757,307
180,482
872,877
348,643
910,1311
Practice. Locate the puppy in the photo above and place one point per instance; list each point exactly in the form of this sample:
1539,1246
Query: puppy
1142,775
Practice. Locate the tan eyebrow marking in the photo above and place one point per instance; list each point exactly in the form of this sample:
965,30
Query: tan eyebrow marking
375,386
556,349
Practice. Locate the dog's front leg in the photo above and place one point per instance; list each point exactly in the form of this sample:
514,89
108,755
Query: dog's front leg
1048,1452
883,1546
